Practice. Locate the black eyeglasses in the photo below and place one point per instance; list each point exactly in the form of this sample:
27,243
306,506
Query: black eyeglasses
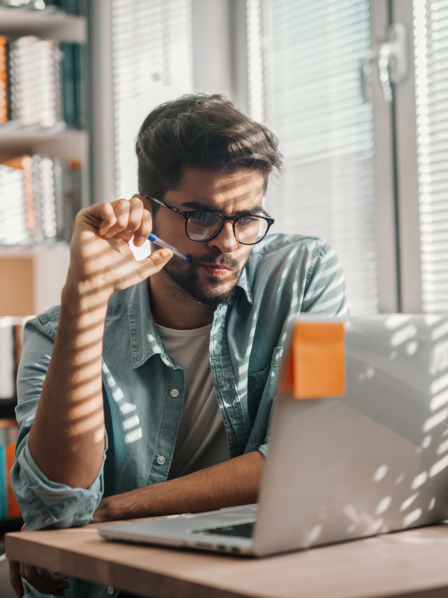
202,225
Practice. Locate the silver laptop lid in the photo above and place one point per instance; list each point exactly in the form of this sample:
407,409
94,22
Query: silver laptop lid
370,461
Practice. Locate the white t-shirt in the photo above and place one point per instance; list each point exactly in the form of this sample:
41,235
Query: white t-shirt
201,439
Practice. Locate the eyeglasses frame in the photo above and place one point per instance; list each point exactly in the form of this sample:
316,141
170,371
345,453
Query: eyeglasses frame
233,219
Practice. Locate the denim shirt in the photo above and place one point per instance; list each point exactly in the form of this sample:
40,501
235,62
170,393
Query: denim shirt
144,389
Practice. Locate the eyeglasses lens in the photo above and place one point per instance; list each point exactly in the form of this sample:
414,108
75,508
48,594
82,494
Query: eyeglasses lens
250,229
202,226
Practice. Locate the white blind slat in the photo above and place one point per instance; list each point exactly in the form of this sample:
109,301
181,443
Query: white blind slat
431,90
304,84
152,58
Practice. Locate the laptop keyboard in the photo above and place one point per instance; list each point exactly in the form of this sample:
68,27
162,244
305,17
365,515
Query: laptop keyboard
242,530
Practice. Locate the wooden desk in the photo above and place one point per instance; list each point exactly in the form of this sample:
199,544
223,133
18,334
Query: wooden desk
412,563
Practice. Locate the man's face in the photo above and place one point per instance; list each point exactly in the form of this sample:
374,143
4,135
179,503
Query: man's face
217,264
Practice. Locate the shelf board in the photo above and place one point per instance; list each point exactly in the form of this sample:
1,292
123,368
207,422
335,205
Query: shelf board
46,23
12,134
27,251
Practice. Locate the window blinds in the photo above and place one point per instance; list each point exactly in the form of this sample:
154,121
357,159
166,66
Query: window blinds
152,63
431,90
304,84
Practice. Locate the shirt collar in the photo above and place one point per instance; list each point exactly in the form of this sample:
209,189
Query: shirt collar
243,284
144,337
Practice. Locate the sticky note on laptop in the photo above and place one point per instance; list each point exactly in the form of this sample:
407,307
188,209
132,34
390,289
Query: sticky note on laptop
315,367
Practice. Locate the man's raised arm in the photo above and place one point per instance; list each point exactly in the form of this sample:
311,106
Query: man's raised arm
67,437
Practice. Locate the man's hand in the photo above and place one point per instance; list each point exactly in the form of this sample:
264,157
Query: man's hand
114,508
100,256
47,582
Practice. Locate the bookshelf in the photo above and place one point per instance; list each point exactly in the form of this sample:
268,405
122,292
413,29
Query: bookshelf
33,269
24,267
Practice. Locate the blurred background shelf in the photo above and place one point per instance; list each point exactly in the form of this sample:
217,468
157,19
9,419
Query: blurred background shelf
24,268
47,23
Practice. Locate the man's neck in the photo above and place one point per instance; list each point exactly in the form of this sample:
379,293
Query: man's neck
173,307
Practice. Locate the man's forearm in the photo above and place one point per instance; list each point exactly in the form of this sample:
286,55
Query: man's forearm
231,483
67,437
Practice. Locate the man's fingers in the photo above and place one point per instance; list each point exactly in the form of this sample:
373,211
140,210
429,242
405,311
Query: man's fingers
155,261
128,219
116,223
15,579
135,218
43,580
50,576
47,582
104,214
144,230
121,218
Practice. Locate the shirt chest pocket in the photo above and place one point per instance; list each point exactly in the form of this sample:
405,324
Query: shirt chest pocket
264,382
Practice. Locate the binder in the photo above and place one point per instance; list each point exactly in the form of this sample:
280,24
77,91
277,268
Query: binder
3,80
9,508
68,87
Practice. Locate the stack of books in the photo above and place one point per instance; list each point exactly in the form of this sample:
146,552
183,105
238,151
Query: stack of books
39,199
41,83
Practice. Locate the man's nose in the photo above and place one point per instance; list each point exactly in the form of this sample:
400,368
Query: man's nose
225,241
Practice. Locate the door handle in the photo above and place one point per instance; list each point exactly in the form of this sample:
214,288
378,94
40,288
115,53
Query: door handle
390,58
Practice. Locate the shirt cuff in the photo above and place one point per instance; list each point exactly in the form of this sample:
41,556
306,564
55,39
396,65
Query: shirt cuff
44,503
263,449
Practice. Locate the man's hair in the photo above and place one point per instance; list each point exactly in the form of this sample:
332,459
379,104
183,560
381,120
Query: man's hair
205,132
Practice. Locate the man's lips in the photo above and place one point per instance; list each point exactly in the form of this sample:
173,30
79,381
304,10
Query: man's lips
216,269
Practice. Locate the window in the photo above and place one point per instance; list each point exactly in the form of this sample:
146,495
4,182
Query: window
306,89
368,176
430,49
152,63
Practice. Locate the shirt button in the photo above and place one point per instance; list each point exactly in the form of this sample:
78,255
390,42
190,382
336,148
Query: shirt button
161,459
174,392
110,590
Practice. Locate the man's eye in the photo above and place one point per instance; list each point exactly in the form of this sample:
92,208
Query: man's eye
202,218
248,220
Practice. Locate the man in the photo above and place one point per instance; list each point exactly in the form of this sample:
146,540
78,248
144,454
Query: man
149,390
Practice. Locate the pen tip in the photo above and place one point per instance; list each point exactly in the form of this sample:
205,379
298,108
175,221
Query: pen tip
188,258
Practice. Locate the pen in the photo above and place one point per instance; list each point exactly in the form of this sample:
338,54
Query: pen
152,237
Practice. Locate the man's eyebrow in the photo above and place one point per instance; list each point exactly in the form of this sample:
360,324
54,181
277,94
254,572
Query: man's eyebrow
205,207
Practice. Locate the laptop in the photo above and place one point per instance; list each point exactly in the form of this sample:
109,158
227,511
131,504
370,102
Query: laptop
358,443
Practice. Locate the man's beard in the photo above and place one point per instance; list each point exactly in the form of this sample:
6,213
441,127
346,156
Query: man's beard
188,279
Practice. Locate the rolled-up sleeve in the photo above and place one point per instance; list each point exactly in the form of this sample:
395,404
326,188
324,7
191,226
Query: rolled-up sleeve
263,449
42,502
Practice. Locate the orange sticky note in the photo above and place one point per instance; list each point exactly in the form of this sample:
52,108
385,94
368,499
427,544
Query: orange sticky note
315,367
